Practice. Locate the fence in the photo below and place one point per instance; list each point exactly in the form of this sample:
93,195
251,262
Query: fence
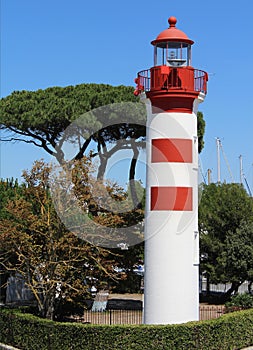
222,288
110,317
207,312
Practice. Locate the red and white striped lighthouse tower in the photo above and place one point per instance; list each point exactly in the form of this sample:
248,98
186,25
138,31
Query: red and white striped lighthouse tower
172,90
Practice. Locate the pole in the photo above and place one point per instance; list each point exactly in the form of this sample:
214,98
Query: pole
241,169
209,176
218,158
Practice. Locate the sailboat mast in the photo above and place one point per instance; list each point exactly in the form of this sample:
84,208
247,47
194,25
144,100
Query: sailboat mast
218,159
241,169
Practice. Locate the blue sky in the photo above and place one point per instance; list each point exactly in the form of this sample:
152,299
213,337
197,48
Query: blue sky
59,43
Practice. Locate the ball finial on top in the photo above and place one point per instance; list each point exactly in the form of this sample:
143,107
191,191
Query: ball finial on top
172,21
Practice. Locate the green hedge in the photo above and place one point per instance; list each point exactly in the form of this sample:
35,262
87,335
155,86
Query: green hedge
231,331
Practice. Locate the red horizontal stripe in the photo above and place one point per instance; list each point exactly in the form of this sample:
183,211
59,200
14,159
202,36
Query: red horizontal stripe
171,150
171,198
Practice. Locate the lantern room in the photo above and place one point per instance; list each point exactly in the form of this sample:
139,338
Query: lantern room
172,83
172,47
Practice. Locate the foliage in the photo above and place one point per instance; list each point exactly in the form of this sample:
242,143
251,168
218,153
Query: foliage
40,117
9,189
225,210
111,208
98,211
35,244
201,131
237,257
239,302
231,331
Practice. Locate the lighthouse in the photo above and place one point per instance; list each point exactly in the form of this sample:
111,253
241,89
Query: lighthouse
172,90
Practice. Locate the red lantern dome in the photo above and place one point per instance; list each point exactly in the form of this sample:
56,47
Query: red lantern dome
172,34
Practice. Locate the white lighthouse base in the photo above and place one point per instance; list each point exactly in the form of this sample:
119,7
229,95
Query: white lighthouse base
171,281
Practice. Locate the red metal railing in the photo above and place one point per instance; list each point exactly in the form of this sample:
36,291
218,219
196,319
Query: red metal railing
162,77
200,80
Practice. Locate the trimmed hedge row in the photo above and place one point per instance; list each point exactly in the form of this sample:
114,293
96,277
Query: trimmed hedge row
25,331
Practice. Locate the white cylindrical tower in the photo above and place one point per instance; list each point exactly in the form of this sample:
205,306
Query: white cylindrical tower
172,90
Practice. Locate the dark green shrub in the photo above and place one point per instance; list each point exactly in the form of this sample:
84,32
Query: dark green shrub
27,332
239,302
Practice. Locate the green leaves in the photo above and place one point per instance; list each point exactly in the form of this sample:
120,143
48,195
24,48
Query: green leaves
237,257
231,331
201,130
239,302
225,224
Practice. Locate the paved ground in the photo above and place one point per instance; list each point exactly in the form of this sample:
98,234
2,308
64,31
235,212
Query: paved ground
127,296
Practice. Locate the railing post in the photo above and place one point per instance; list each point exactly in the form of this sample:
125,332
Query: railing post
110,313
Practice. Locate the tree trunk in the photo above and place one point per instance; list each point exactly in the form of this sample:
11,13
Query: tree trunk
135,200
103,156
233,289
46,307
50,310
102,166
83,149
249,287
207,285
